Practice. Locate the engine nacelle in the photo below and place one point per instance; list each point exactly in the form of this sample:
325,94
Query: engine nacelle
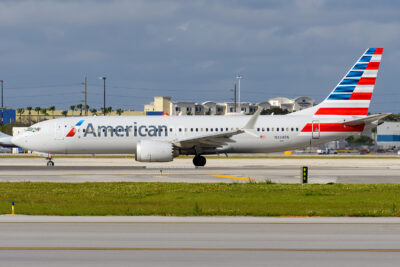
154,151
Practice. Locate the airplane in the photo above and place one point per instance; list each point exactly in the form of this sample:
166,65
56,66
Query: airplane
162,138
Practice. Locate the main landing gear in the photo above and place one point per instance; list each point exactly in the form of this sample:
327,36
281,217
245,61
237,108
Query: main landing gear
199,161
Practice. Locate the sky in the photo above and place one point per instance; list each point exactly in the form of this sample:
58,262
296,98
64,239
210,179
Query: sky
191,50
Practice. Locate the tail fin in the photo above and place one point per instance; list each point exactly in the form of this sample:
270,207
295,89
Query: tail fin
352,95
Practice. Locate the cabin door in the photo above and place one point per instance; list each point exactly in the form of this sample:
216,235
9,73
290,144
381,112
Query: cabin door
60,132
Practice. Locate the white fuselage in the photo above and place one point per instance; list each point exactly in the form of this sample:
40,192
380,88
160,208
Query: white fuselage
120,134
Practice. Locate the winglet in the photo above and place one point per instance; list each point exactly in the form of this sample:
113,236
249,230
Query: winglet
252,121
250,125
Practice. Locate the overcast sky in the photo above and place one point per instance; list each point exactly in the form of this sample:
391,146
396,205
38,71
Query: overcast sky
191,50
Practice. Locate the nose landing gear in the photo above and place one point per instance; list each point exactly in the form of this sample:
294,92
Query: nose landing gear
50,163
199,160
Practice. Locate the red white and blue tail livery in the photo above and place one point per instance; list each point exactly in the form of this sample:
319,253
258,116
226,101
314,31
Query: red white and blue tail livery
161,138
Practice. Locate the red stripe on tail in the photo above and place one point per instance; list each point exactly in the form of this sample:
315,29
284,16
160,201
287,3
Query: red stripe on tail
373,66
360,96
378,51
342,111
366,81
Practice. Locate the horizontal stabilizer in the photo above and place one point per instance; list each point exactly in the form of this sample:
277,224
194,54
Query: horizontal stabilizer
365,120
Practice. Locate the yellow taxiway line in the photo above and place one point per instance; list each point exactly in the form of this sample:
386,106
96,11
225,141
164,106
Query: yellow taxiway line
232,177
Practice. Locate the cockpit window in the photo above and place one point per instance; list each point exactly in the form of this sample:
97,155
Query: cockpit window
33,129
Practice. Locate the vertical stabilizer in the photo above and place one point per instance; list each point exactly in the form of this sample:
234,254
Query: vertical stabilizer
352,95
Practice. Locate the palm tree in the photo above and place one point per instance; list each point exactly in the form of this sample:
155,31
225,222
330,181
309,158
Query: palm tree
20,111
109,109
119,111
87,108
37,109
65,113
44,112
94,111
29,109
52,109
72,108
80,106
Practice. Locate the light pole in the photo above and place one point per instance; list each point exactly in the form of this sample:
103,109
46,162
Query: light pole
239,78
104,79
2,105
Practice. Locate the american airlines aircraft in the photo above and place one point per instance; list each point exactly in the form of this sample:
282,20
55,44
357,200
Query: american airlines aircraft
161,138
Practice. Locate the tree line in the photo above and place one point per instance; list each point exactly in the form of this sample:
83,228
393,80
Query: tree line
70,112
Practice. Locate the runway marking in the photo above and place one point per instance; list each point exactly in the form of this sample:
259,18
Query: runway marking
202,249
232,177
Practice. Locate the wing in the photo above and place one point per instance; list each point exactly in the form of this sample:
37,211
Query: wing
211,140
218,139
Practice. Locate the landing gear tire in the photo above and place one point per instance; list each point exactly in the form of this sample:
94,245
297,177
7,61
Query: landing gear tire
50,163
199,161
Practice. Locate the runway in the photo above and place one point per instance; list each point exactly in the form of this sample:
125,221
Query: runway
174,241
223,170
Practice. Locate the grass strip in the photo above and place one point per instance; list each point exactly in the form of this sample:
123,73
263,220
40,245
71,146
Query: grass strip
218,199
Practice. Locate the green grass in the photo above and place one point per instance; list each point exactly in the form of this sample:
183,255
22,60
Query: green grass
182,199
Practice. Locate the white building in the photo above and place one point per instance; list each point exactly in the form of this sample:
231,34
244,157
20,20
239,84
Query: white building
165,104
388,135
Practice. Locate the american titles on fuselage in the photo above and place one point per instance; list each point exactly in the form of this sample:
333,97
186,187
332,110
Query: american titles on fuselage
125,131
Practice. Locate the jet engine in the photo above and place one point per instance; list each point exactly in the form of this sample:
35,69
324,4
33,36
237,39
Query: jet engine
154,151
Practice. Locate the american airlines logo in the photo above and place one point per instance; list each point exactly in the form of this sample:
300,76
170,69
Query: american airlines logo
72,132
124,131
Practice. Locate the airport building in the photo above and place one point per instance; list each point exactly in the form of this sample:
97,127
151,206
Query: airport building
388,135
165,104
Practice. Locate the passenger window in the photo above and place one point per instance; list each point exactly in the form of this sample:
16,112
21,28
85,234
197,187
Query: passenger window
180,129
201,129
170,129
206,129
291,129
287,129
283,129
258,129
297,129
227,129
191,129
267,129
263,129
185,129
272,129
211,129
222,129
197,129
277,129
